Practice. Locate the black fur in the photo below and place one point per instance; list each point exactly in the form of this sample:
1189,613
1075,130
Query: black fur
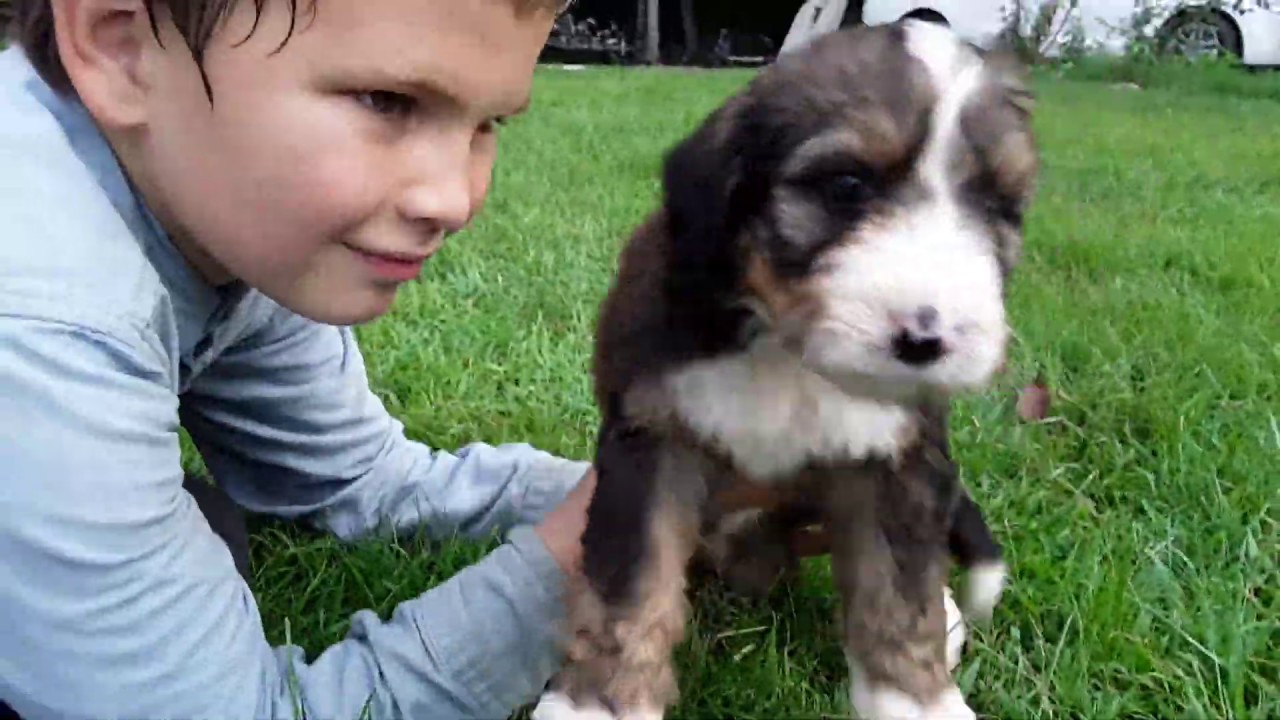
970,541
615,539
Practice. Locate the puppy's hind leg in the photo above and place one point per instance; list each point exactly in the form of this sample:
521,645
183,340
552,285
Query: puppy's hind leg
629,610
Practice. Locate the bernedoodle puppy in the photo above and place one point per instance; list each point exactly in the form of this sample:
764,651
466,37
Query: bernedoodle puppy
827,269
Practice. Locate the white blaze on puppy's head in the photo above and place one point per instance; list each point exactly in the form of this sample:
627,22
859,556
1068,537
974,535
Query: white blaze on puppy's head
891,231
915,297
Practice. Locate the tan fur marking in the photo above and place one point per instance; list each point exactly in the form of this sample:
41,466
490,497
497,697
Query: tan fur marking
746,495
784,302
868,134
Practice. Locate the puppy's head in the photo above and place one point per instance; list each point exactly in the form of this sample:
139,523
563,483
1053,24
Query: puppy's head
865,196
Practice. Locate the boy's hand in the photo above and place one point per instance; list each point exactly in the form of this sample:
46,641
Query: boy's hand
561,530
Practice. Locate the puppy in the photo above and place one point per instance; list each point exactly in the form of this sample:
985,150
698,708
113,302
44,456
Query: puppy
827,269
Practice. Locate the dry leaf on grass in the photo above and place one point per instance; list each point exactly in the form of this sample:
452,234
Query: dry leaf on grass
1033,401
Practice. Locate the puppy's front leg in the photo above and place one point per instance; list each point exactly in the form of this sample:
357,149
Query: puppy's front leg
889,557
629,610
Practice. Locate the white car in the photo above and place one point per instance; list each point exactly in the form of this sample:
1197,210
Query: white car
1249,29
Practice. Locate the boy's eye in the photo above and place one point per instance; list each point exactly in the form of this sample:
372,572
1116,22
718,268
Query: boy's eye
385,102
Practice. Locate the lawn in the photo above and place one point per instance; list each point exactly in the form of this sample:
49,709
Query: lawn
1140,517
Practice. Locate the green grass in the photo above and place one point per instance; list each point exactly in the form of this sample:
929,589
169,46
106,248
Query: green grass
1140,519
1224,77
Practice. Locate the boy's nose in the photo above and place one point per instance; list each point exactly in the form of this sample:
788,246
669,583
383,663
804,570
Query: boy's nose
441,200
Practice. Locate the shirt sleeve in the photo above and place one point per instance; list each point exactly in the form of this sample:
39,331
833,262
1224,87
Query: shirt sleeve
119,601
288,425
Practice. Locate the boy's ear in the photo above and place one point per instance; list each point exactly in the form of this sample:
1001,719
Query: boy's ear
103,45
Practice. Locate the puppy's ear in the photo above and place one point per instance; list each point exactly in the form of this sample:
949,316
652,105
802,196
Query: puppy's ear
1012,76
700,177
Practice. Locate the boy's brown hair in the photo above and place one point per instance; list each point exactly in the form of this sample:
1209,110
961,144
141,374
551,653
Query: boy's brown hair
196,20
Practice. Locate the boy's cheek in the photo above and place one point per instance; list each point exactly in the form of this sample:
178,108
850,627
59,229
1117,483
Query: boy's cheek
334,187
481,184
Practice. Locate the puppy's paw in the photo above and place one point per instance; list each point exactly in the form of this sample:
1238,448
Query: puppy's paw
558,706
983,586
886,703
950,706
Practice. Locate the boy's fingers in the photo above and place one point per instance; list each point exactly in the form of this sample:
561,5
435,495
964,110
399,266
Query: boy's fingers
579,498
562,528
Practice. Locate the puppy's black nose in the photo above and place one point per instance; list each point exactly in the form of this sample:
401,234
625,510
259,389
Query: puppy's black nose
918,342
915,347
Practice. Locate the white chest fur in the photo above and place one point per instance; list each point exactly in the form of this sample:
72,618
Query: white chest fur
771,415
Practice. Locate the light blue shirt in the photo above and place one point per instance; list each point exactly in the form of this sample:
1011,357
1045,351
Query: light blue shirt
116,599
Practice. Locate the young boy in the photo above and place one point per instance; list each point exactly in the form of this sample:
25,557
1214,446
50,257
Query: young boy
199,198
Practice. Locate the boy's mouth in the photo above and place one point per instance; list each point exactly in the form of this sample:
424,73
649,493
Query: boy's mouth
398,267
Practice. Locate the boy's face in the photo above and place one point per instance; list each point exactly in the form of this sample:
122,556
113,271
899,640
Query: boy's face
324,174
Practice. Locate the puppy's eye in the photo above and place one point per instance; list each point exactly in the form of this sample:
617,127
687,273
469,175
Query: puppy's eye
845,189
840,190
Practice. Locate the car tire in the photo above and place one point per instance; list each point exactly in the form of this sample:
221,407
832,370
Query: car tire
1195,34
932,16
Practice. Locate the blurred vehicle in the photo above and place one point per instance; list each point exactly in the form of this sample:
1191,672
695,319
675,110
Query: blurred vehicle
1245,29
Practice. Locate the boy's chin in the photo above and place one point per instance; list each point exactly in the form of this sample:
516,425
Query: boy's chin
343,307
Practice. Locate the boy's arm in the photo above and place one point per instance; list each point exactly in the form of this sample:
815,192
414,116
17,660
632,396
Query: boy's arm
288,425
119,601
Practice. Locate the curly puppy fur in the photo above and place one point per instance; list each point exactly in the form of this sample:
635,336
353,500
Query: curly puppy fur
827,269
